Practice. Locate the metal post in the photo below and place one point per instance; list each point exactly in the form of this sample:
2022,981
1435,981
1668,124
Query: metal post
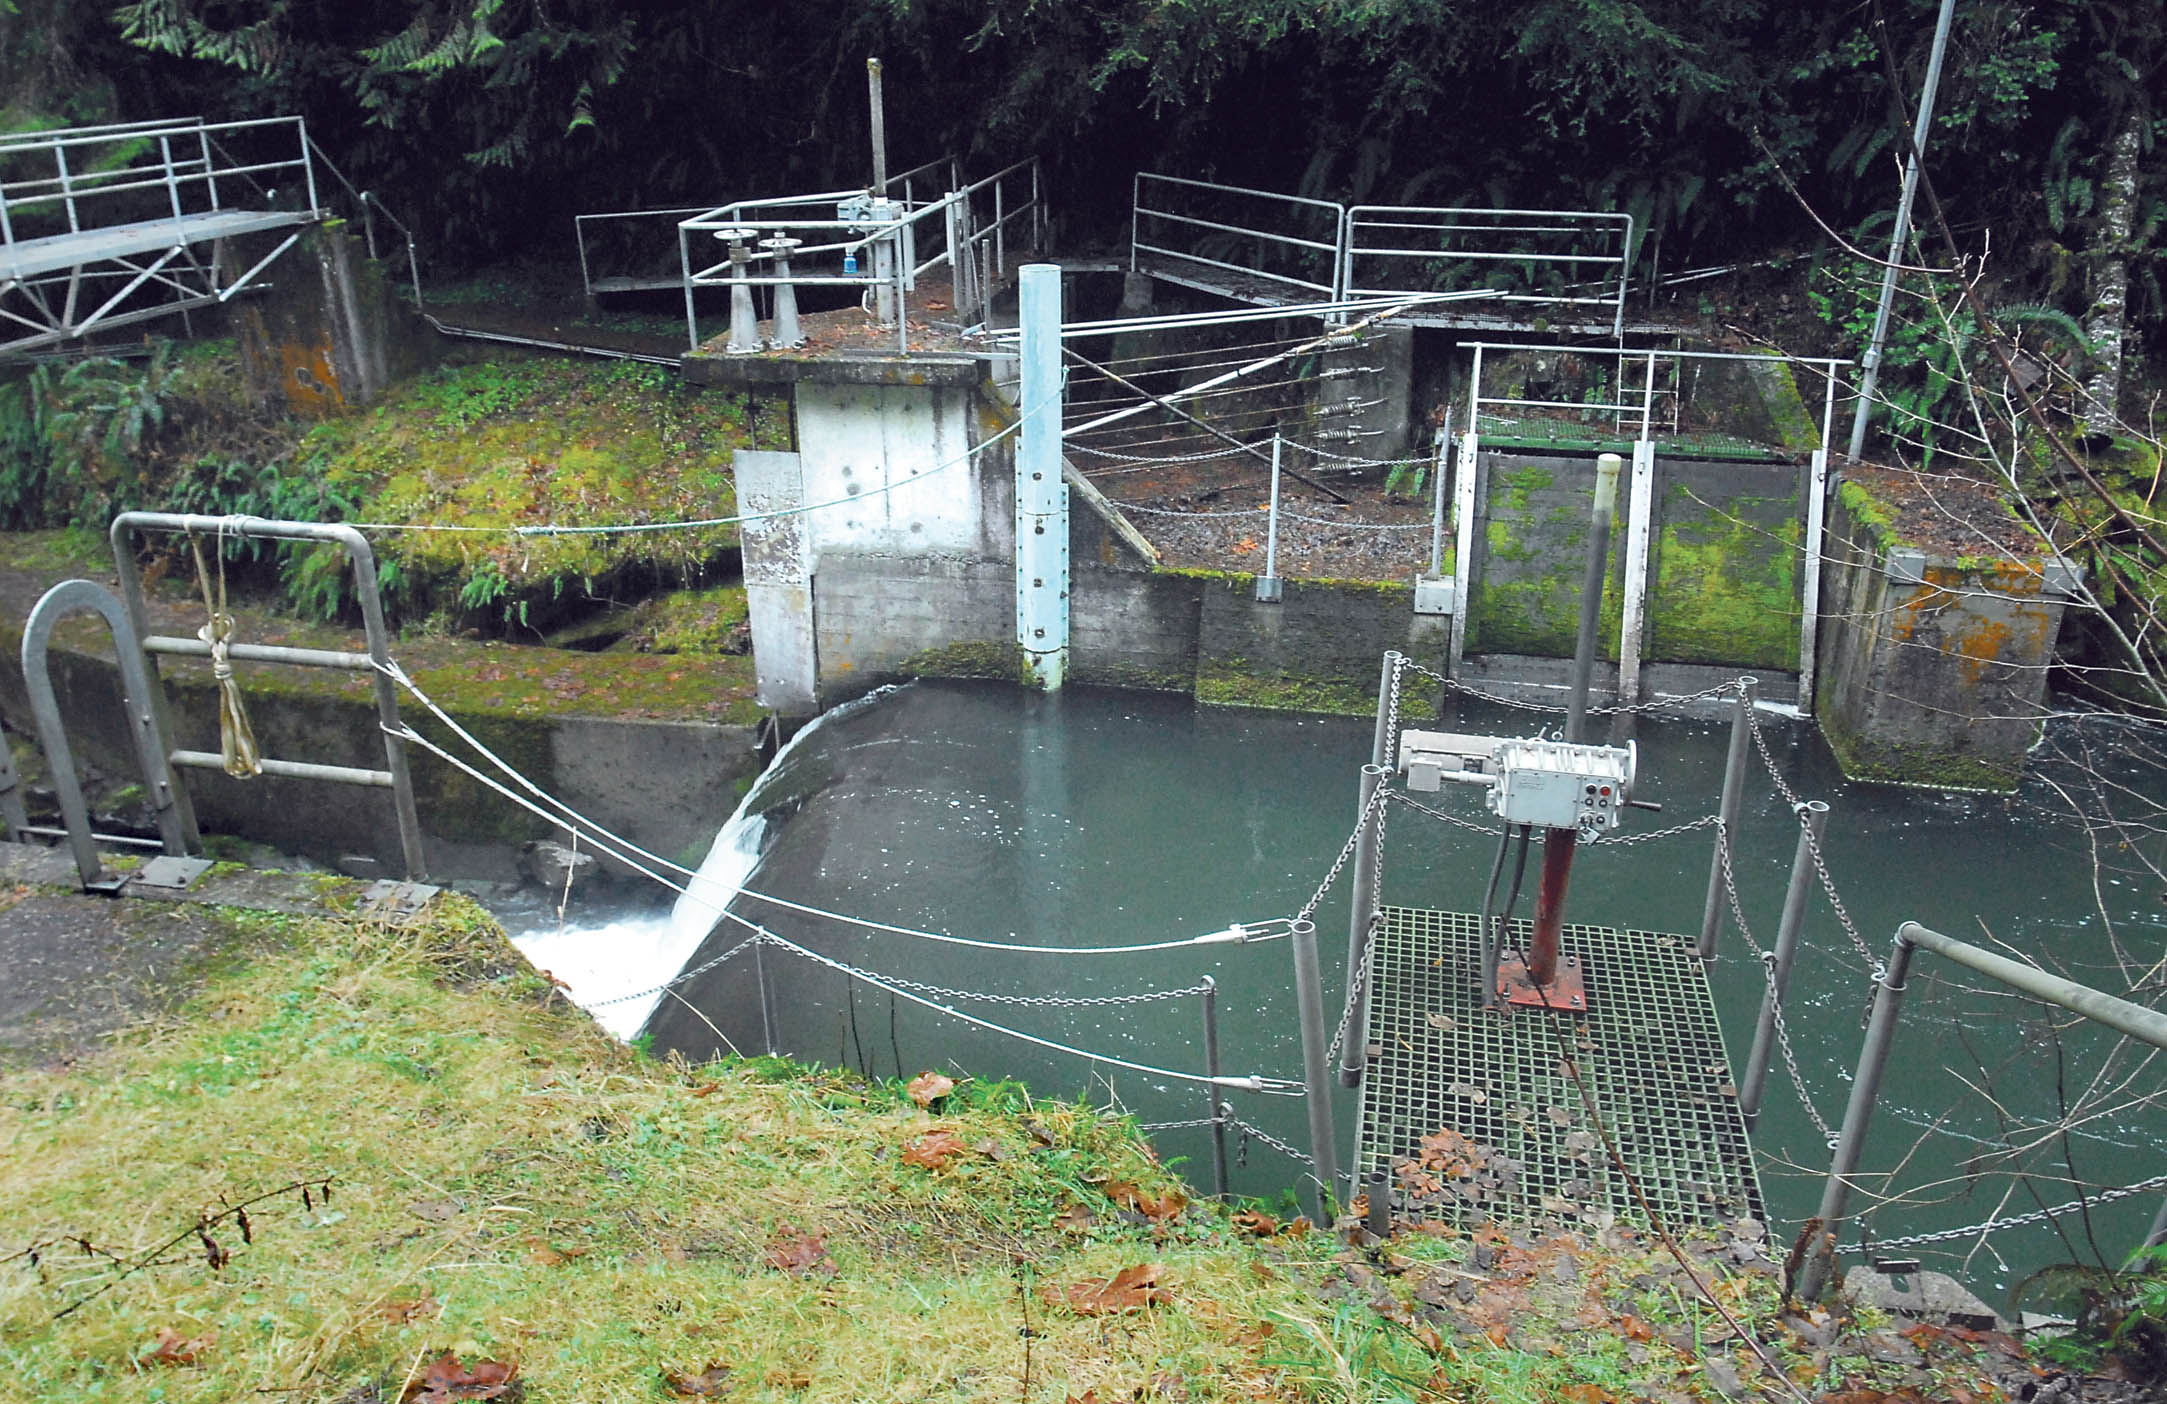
1870,367
744,319
1812,815
1000,235
2158,1233
1042,577
880,129
210,177
1038,213
308,166
1361,915
684,266
1316,1079
1865,1091
1558,847
1437,496
1382,743
1379,1190
67,190
787,333
767,999
1211,1092
1591,598
1734,787
1267,588
173,186
885,279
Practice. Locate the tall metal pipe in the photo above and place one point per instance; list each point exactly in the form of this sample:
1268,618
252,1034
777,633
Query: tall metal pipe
880,128
1870,367
1316,1076
1361,915
1812,816
1211,1092
1382,742
1607,467
1557,869
1734,788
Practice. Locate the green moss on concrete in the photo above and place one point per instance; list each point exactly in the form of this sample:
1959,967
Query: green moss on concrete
1794,427
1134,677
995,660
709,621
1231,682
1728,589
1881,764
1873,515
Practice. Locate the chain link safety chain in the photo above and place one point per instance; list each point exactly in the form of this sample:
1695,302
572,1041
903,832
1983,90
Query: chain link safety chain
1250,1132
1658,704
1767,960
1176,1125
1346,853
1154,459
1706,821
1813,846
680,978
1038,1001
2106,1196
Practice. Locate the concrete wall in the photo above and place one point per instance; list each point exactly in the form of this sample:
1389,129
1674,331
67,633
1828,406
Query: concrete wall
1933,671
331,334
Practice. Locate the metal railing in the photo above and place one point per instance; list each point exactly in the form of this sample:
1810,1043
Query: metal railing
1545,258
881,246
79,171
1204,229
2133,1020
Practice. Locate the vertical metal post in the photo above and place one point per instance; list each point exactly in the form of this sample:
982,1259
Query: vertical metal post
1379,1189
1734,788
880,128
1000,235
1591,596
787,333
744,320
767,998
1437,496
1038,213
1812,815
1316,1078
1921,129
67,189
1865,1091
2158,1232
1267,587
368,235
1466,507
1211,1091
173,185
308,166
1361,915
1041,497
1383,745
1639,532
210,177
684,265
1558,847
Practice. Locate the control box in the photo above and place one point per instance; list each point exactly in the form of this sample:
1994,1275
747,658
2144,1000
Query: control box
1558,785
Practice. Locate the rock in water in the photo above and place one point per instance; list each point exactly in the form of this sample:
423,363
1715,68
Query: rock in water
550,866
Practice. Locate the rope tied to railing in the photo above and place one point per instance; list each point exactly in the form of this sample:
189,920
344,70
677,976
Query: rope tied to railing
236,738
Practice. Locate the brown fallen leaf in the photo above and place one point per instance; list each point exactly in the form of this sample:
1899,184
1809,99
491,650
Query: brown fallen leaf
447,1380
929,1087
1161,1205
1256,1222
170,1347
934,1150
713,1381
796,1252
401,1312
549,1255
1131,1289
1075,1218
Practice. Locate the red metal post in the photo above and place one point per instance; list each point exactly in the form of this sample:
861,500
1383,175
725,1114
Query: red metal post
1557,868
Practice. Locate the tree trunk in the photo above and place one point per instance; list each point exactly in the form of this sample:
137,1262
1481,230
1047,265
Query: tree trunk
2105,323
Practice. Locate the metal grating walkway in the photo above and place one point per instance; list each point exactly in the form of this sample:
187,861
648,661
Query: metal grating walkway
1650,1050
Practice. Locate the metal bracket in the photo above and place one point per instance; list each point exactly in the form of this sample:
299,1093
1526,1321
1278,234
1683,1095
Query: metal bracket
1568,992
387,898
175,874
1433,594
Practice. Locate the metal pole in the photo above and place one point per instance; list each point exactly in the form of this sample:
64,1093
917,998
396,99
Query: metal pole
2158,1233
1316,1078
1379,1190
1812,816
1437,495
1211,1092
767,999
1591,598
744,320
1382,743
1865,1091
1558,847
880,129
1267,588
1870,367
1361,915
1734,786
1042,567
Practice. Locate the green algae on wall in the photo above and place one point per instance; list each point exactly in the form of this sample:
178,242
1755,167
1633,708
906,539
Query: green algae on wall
1727,585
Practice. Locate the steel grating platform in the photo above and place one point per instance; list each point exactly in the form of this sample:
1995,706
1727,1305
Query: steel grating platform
1650,1050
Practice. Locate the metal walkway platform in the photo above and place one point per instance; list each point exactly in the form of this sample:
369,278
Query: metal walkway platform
1525,1151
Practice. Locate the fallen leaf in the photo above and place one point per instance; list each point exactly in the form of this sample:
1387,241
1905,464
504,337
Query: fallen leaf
934,1150
712,1381
1443,1023
1075,1218
170,1347
1131,1289
1254,1221
1636,1329
401,1312
549,1255
446,1380
793,1251
1162,1205
929,1087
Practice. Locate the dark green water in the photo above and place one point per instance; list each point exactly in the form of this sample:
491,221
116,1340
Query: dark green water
1099,818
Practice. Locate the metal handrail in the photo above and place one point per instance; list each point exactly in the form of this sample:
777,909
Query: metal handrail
1447,221
1140,245
168,171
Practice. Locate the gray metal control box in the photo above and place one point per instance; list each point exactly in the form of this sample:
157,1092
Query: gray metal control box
1558,785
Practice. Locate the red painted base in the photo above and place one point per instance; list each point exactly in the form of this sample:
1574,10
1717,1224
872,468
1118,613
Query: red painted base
1566,993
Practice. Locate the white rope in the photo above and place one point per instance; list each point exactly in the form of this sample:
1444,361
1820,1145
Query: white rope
1241,933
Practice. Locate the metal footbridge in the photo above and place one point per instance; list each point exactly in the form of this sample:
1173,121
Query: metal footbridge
105,226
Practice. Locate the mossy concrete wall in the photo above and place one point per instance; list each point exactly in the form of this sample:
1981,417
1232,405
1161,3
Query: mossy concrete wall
1933,671
666,785
1722,561
331,334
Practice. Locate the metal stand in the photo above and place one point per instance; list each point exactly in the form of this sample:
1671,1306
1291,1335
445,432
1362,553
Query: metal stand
1316,1075
1812,815
1734,785
1212,1105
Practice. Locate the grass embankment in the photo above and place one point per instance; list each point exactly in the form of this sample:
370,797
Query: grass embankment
510,1186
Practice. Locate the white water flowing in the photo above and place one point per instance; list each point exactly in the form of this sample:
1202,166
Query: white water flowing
600,965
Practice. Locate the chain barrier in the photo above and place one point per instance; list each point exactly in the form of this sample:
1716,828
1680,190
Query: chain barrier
1353,526
1176,1125
679,978
1251,1132
1767,960
1346,853
1658,704
1073,446
1046,1001
1813,847
2106,1196
1706,821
